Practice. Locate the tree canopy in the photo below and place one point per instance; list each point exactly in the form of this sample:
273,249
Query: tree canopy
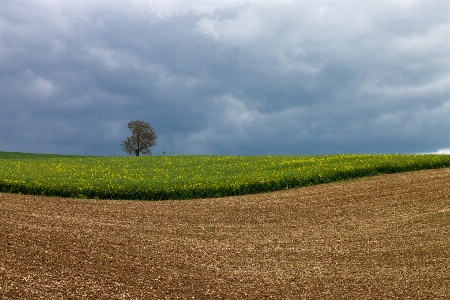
143,138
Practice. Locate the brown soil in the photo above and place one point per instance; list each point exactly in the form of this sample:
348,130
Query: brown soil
379,237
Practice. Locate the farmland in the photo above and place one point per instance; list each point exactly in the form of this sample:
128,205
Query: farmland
378,237
381,236
191,176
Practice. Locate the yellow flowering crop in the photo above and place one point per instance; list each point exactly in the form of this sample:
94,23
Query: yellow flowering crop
190,176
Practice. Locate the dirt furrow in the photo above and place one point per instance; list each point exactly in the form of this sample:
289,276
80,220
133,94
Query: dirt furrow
378,237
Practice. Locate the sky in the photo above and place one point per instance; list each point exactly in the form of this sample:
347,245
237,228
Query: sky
226,77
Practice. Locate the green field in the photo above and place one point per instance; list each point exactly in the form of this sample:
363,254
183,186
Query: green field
190,176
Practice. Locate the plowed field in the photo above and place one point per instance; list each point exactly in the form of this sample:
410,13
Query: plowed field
380,237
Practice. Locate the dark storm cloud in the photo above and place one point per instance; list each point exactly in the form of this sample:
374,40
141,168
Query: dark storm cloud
226,77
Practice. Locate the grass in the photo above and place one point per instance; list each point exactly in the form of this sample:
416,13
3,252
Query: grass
191,176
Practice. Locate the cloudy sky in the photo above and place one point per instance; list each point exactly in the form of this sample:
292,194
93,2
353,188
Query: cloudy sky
226,77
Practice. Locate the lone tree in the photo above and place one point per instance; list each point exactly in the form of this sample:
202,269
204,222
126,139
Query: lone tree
142,138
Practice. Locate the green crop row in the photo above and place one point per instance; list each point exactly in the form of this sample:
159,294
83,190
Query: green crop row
191,176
